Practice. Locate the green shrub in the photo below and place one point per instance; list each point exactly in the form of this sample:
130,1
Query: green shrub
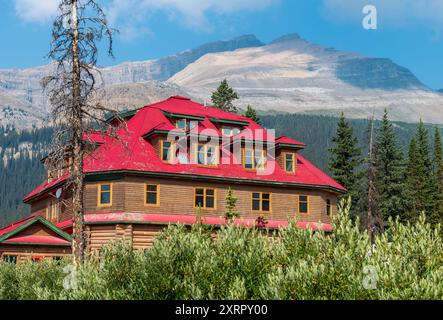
406,262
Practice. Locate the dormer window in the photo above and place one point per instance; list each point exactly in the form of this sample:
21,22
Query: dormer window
207,155
254,159
289,162
167,151
230,131
185,124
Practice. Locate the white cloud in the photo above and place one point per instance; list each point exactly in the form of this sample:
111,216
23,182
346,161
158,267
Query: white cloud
36,10
396,13
132,15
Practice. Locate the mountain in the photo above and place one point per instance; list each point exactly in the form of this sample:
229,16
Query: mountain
23,104
440,91
292,75
289,74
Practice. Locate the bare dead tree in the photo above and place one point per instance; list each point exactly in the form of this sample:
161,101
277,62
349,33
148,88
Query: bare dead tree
71,87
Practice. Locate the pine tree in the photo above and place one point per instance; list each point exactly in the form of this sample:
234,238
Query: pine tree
231,202
345,158
390,171
422,182
252,114
438,170
224,95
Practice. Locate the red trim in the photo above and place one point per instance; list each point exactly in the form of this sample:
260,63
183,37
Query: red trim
187,219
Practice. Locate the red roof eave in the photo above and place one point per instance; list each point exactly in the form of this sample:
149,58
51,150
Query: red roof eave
134,217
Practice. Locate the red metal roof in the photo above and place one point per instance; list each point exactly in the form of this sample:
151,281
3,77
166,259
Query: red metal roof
13,233
287,140
14,225
33,239
137,154
186,219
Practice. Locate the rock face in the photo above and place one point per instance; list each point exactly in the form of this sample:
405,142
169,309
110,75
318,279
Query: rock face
23,104
292,75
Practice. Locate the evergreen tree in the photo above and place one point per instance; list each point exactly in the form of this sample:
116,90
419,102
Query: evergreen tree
231,202
438,158
345,158
252,114
390,171
438,170
224,95
422,182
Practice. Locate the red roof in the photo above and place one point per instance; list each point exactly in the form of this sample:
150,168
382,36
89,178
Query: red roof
14,226
37,240
186,219
13,233
137,154
287,140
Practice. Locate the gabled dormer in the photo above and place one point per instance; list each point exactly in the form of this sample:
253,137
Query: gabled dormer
286,150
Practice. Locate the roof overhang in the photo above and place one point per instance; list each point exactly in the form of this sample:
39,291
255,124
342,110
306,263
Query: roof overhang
166,219
100,175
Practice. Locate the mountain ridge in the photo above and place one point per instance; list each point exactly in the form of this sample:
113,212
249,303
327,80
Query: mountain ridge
289,74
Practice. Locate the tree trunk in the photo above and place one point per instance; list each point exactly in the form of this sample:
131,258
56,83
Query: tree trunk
78,244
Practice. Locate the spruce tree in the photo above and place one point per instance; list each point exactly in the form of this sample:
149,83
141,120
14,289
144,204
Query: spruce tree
390,171
252,114
345,158
224,95
438,171
422,182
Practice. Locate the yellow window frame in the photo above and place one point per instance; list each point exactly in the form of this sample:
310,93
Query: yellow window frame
294,162
205,154
172,151
205,189
99,193
157,204
307,203
261,202
254,166
328,207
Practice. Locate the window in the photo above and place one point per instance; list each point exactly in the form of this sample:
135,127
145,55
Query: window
204,198
53,211
185,124
167,151
152,195
328,207
303,204
230,131
261,202
289,162
10,259
104,195
254,159
207,155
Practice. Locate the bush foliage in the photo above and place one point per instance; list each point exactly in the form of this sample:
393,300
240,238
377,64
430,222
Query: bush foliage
406,262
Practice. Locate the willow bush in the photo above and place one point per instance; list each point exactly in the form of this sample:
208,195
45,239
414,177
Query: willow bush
406,262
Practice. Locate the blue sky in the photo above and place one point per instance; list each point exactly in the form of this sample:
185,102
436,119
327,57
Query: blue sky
410,32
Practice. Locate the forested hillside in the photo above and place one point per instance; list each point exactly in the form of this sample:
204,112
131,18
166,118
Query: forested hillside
317,132
20,168
20,152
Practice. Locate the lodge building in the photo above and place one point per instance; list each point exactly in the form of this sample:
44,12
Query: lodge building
174,160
